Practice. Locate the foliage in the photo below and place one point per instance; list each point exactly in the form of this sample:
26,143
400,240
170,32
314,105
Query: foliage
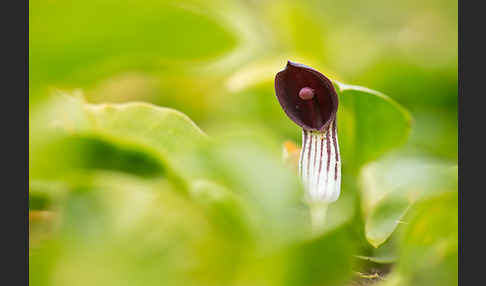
155,143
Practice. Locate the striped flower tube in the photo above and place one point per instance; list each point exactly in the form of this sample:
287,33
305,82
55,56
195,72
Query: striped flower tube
310,100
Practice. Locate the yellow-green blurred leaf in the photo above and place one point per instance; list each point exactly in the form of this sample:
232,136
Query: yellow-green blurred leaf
79,41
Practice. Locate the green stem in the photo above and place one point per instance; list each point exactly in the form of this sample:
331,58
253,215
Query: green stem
318,212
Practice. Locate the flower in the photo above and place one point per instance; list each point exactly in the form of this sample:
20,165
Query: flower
310,100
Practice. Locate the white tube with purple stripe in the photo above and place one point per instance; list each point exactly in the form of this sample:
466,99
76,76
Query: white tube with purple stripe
320,165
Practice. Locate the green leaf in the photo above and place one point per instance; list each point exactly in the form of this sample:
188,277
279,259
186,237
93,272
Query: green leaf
298,27
78,41
324,260
118,229
386,253
385,217
369,124
227,210
76,153
138,138
429,244
44,195
392,185
270,191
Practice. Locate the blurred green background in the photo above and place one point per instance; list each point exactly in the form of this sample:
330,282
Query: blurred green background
191,188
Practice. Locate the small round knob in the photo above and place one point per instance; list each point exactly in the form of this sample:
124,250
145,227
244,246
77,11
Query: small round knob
306,93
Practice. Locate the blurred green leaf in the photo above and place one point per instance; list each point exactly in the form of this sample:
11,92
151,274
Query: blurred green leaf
392,185
225,209
271,191
76,153
122,230
428,246
384,253
298,28
138,137
385,217
324,260
79,41
45,194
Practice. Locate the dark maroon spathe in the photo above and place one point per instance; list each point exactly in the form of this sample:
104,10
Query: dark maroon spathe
317,108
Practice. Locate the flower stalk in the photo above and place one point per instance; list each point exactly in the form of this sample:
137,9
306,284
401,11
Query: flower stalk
318,213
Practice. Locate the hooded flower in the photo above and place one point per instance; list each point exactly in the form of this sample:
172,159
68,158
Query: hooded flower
310,100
